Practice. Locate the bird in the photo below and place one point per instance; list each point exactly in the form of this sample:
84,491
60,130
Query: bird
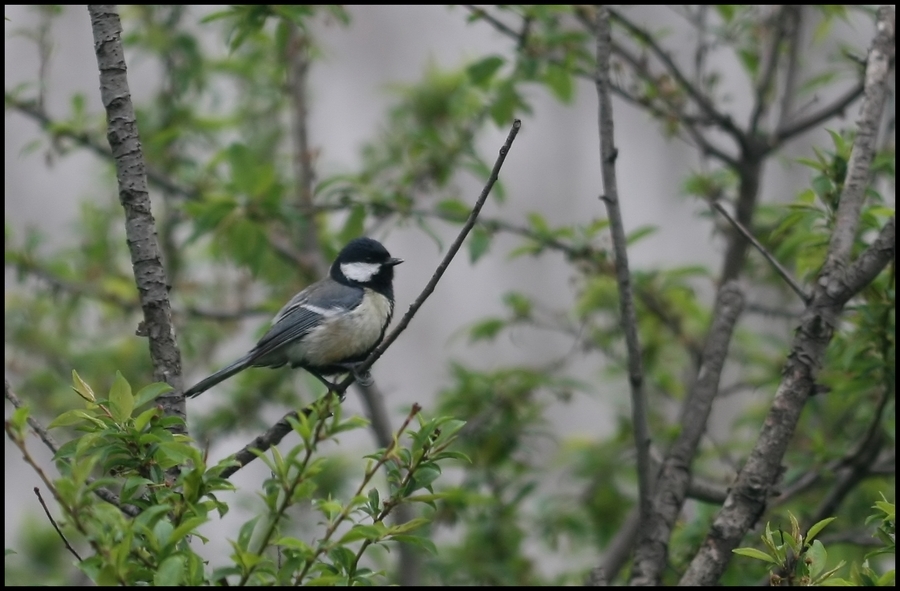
330,326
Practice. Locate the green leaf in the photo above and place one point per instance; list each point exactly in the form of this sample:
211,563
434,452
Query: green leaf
408,526
560,82
479,242
816,558
246,533
82,387
209,213
750,59
640,233
504,106
518,303
455,209
754,553
424,543
342,556
187,527
826,579
151,392
354,227
424,476
143,419
330,508
19,419
815,529
132,483
482,71
170,572
364,532
726,11
71,417
889,509
486,329
121,401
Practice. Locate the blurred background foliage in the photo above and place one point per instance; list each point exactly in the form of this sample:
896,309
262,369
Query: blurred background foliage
245,221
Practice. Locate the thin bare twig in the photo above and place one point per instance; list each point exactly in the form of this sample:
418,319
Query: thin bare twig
72,288
608,153
36,112
277,432
780,21
763,251
834,109
691,124
706,105
442,267
69,547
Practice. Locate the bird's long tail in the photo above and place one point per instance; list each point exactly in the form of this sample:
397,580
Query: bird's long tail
223,374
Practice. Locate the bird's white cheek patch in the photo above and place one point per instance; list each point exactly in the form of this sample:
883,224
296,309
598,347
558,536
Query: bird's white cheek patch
361,272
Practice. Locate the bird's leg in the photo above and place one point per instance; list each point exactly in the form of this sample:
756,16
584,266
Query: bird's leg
362,378
331,387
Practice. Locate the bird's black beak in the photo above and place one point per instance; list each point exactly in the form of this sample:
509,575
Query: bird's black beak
392,262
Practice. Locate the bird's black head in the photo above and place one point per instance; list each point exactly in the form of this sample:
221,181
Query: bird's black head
367,263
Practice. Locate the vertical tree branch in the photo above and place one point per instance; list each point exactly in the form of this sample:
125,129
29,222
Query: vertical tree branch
789,93
749,168
748,497
779,25
608,153
864,144
671,490
297,67
140,228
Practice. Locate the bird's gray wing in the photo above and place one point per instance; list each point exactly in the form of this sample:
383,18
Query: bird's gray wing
303,313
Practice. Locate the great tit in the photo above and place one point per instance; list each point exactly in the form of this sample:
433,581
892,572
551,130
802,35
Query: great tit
331,325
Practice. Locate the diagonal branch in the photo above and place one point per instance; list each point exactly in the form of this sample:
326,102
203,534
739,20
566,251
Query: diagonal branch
26,265
787,132
702,100
442,267
278,431
691,124
870,263
38,114
763,251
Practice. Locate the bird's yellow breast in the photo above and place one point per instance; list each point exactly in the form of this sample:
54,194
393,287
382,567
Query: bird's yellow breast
348,335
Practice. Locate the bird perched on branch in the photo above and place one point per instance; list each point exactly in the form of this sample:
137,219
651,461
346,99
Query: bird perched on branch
332,325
